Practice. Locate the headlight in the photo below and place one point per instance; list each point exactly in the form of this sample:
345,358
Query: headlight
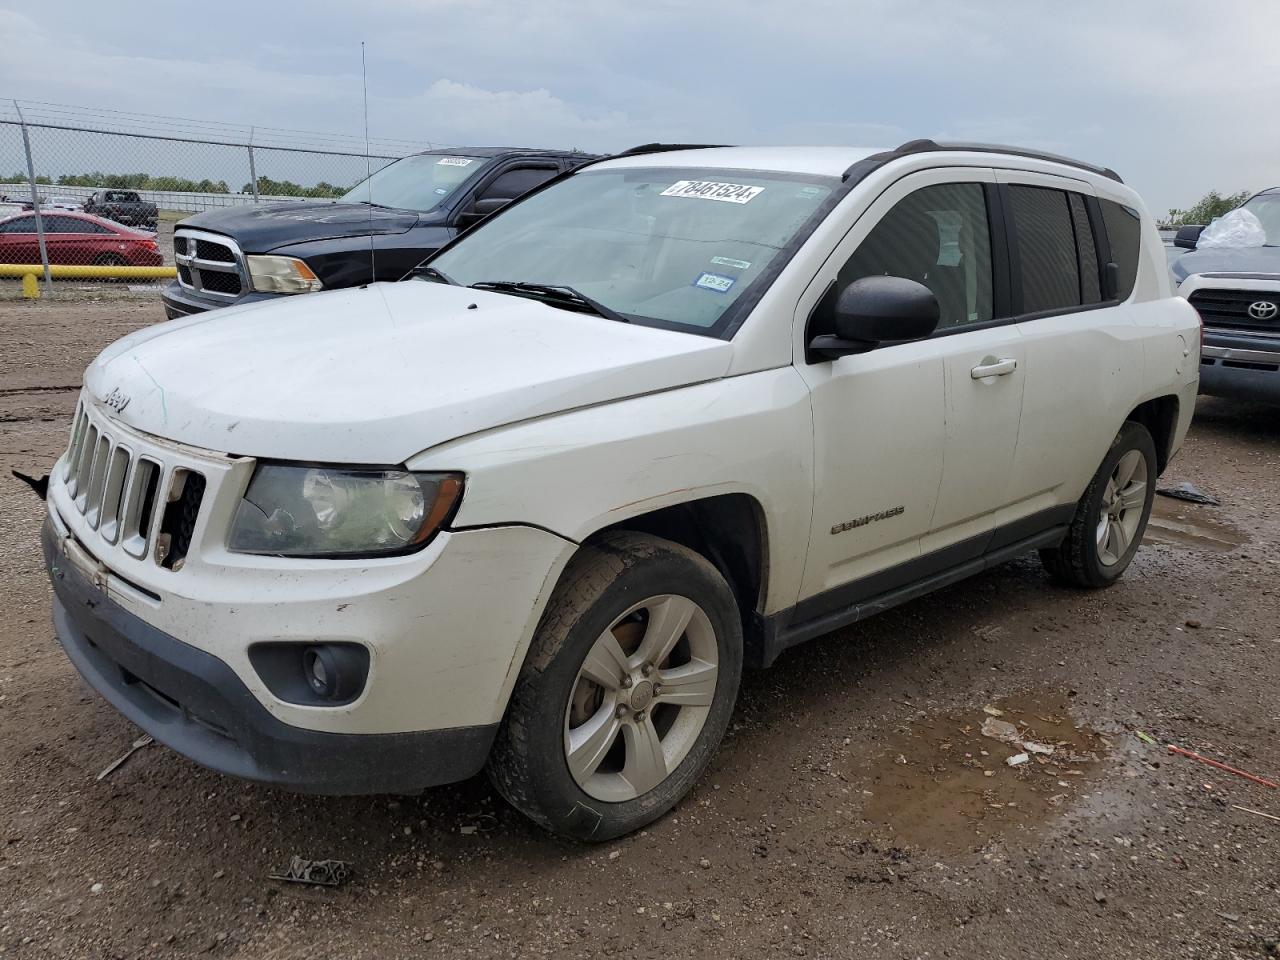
341,511
282,275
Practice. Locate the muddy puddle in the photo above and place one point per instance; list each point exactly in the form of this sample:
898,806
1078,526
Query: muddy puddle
947,786
1183,524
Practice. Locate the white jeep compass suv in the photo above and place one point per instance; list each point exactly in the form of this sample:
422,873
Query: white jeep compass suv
535,509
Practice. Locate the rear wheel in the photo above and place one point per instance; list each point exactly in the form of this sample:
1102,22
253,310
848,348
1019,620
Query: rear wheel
626,692
110,260
1111,517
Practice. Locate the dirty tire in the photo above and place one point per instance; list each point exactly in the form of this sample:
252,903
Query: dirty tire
605,578
1076,561
110,260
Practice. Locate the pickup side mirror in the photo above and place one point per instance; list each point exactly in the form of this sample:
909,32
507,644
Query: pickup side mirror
1188,237
483,208
876,310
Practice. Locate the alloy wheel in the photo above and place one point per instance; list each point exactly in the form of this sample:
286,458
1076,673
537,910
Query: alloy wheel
641,698
1123,502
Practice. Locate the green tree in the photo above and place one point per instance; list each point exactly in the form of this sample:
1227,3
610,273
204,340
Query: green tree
1211,205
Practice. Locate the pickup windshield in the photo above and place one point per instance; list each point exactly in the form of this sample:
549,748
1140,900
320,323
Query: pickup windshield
1266,207
420,182
674,248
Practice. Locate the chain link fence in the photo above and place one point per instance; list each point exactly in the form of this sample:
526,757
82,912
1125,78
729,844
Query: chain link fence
89,198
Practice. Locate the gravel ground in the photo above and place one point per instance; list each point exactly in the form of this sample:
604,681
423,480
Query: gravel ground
855,810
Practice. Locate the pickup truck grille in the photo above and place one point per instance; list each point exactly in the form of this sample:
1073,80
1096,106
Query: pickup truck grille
209,264
118,491
1230,309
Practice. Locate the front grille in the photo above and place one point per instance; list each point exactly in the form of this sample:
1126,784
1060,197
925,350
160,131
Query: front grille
213,282
1229,309
118,491
218,252
209,264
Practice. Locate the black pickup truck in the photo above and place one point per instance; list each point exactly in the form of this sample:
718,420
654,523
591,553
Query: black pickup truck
392,221
122,206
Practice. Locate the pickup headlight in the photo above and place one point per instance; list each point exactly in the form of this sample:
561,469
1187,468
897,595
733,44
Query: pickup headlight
298,511
282,275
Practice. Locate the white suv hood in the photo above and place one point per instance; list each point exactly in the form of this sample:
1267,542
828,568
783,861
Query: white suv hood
379,374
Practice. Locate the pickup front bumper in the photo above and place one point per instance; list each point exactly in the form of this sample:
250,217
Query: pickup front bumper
180,302
195,703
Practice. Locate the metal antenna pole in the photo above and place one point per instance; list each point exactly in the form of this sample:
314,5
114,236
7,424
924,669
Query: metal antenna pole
253,171
368,167
35,200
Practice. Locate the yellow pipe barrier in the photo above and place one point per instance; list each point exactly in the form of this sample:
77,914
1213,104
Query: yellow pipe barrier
69,272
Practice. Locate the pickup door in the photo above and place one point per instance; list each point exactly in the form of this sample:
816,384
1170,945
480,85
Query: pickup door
913,441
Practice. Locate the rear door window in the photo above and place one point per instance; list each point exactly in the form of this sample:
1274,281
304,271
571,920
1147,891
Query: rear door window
1124,232
1046,243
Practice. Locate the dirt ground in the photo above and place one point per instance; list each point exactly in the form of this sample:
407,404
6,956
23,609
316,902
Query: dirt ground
856,808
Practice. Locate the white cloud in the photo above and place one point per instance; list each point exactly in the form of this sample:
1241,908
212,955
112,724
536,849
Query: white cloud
465,113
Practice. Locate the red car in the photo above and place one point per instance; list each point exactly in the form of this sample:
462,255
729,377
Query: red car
77,239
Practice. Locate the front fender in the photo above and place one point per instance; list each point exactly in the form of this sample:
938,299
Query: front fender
578,472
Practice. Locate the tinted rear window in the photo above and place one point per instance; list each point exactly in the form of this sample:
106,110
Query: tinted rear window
1124,231
1046,248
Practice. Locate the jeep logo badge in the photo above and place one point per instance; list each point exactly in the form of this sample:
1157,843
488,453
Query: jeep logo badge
1263,310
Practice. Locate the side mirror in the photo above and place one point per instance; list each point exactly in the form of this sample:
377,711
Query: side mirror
1188,237
876,310
483,208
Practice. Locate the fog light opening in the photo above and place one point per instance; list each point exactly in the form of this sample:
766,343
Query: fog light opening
321,671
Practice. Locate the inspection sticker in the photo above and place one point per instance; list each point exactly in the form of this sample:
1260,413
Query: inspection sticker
710,190
714,281
730,262
454,162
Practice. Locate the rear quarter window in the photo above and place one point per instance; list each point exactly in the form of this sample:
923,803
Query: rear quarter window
1124,231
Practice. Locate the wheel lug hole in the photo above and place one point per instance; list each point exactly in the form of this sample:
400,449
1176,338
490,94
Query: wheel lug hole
621,712
639,716
647,669
626,682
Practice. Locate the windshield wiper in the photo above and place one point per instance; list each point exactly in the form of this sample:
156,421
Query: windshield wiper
554,294
432,273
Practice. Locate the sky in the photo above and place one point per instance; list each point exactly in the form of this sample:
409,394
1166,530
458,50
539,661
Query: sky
1179,96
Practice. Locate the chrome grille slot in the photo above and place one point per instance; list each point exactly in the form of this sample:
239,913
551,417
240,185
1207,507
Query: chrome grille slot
178,524
140,506
113,493
85,465
97,479
73,452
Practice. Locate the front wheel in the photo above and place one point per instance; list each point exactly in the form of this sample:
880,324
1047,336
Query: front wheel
626,692
1111,517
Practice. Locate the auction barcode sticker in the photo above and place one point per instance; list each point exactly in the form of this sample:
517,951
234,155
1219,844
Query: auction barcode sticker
453,162
711,190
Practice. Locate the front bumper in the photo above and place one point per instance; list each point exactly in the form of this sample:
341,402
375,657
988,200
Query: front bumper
180,302
195,703
1241,366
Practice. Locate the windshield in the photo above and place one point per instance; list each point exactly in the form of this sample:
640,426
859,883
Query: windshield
670,248
419,182
1266,207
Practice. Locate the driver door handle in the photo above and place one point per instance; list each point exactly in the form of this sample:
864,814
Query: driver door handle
992,367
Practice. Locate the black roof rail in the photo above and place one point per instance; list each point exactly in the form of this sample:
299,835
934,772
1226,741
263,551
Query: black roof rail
911,147
664,147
